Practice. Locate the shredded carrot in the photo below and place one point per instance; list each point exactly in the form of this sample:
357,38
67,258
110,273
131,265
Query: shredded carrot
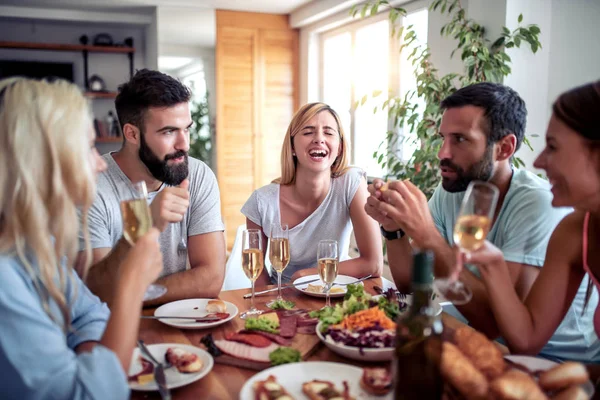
366,319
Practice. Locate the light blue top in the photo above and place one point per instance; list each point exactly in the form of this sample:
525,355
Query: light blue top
37,359
522,231
330,221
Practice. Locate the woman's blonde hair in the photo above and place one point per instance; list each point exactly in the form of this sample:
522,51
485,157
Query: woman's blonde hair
46,175
299,121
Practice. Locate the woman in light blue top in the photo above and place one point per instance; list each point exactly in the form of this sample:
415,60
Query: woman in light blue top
318,197
57,341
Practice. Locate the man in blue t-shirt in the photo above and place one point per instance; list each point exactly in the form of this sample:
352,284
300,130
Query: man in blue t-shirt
482,127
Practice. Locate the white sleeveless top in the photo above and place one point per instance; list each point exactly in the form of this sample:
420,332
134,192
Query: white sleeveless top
330,221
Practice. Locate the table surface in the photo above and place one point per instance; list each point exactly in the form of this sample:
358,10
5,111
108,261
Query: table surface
225,381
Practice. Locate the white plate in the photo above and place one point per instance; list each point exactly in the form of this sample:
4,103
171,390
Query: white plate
191,308
537,364
408,300
292,376
339,279
382,354
174,378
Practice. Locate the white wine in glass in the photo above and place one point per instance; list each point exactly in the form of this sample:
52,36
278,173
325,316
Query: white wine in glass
252,263
279,254
470,230
327,264
137,221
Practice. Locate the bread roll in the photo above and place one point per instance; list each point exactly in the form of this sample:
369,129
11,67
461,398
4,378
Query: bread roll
572,393
461,374
216,306
563,376
484,355
516,385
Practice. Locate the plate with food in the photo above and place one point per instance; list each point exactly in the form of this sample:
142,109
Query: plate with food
553,377
316,288
362,327
407,299
186,363
316,380
209,313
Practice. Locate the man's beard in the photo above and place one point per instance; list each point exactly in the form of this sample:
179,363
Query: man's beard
172,175
480,171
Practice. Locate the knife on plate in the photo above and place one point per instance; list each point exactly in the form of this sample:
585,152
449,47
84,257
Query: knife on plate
204,319
159,372
248,295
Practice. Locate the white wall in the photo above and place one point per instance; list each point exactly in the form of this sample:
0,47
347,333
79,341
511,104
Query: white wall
570,56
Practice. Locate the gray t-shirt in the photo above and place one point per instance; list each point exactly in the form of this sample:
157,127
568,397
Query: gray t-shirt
330,221
202,216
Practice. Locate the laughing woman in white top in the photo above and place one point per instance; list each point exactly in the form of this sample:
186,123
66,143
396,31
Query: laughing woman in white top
57,340
318,196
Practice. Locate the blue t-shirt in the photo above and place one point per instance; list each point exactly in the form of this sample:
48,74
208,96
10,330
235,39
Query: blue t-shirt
522,230
37,359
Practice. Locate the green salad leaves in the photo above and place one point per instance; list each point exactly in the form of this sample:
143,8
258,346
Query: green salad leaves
282,304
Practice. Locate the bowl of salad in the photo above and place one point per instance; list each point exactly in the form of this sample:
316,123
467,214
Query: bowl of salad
362,327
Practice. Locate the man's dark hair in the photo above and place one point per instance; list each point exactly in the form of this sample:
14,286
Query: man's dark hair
148,89
505,111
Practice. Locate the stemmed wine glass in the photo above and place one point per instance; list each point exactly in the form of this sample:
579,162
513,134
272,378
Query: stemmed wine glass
137,221
470,230
279,253
252,263
327,264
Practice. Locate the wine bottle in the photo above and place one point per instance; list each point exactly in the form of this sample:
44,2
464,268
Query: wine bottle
416,365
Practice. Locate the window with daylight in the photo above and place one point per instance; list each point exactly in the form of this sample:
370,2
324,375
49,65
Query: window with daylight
357,60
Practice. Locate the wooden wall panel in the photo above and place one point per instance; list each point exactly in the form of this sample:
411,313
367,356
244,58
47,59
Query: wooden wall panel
257,95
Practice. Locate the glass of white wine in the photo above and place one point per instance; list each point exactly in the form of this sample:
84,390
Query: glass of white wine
137,221
252,263
279,253
327,264
470,230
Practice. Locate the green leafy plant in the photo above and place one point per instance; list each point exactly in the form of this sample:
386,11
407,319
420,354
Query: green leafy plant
483,60
201,138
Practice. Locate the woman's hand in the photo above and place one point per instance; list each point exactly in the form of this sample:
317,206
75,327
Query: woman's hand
144,261
488,259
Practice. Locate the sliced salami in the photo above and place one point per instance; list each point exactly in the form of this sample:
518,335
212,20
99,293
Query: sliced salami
287,326
243,351
251,339
307,330
271,336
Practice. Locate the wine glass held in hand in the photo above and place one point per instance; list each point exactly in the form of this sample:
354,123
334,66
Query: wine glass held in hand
252,263
327,264
470,230
279,253
137,221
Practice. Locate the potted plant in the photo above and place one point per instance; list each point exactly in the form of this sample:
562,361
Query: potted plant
201,132
483,60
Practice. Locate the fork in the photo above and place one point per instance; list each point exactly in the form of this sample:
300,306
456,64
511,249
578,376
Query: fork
159,371
182,247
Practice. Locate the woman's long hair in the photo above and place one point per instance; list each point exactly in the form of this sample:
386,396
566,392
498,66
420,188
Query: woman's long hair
579,109
46,176
299,121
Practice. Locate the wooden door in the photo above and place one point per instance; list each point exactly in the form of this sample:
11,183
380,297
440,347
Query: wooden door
256,69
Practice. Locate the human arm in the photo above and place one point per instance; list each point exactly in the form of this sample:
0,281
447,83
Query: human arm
38,360
527,326
206,275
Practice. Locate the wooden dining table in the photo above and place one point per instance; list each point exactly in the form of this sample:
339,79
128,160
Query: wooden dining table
226,381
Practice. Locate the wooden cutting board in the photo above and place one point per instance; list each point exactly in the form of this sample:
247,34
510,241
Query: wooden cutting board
304,343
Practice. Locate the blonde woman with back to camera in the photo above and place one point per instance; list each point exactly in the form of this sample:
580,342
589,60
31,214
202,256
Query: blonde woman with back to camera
318,196
57,340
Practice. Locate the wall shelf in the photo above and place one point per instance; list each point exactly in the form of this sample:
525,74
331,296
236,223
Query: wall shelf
66,47
109,139
101,95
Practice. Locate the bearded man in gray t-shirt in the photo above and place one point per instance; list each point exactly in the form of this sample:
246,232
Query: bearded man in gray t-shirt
154,114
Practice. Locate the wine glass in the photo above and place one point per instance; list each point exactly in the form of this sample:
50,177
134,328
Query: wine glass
470,230
279,253
252,263
327,264
137,221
